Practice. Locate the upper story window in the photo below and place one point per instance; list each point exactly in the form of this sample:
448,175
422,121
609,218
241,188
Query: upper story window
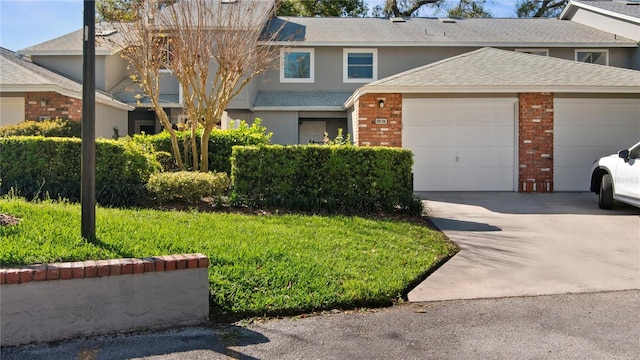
542,52
163,44
296,65
593,56
360,65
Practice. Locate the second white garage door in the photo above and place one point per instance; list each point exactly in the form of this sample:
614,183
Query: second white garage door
461,144
587,129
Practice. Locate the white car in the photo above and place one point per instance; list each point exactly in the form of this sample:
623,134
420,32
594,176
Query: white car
617,177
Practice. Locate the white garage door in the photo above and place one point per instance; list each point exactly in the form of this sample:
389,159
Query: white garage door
585,130
461,144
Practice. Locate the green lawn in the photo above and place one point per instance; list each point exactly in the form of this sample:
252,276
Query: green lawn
259,265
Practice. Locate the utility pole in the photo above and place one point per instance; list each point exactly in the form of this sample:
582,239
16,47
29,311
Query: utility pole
88,168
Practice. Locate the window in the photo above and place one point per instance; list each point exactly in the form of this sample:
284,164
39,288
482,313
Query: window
593,56
163,44
296,65
360,65
542,52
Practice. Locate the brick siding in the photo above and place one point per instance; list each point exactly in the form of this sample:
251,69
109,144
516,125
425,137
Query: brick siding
55,106
367,109
535,142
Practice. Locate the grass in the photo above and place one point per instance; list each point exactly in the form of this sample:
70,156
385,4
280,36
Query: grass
260,265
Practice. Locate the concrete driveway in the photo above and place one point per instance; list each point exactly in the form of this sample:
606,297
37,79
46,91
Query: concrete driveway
516,244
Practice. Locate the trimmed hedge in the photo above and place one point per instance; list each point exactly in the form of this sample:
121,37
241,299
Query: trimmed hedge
187,186
48,128
220,144
36,167
329,178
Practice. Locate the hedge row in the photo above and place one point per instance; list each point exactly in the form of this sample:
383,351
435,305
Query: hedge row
328,178
39,166
220,144
49,128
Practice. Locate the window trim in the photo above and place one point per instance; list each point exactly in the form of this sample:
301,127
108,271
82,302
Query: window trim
605,51
530,50
345,64
311,78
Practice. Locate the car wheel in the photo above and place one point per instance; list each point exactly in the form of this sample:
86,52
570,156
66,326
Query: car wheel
605,198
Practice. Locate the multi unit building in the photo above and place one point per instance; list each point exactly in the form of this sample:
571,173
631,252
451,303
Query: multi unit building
484,104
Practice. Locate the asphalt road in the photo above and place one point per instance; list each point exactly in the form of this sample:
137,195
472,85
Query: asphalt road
602,325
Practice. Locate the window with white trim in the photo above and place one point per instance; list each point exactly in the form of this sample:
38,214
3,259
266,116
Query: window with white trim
296,65
541,52
590,56
360,65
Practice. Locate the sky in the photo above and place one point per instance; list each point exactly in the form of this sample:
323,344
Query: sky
24,23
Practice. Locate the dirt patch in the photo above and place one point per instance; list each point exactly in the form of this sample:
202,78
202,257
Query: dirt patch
8,220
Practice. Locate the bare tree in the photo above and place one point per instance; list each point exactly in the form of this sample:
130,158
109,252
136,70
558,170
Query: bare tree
140,43
403,8
540,8
214,50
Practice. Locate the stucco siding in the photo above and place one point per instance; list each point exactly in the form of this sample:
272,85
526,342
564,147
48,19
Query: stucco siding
108,118
283,125
115,71
71,67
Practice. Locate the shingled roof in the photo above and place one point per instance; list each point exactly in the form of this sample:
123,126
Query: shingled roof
444,32
490,70
19,75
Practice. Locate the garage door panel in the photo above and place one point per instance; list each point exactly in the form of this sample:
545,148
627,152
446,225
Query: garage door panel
470,135
585,130
463,156
442,178
577,155
461,144
581,135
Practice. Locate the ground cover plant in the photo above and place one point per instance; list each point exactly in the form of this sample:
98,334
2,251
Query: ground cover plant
259,264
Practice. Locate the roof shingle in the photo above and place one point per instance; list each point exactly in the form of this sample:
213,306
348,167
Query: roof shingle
488,69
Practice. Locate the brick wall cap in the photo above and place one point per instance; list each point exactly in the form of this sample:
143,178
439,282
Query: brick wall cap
125,266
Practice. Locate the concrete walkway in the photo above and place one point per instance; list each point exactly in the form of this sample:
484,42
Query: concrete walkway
516,244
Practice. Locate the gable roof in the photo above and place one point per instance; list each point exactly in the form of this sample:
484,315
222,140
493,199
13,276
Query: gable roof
490,70
538,32
71,43
248,12
627,10
19,75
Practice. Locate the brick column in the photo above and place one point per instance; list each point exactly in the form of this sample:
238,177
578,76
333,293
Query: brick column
37,104
379,126
535,142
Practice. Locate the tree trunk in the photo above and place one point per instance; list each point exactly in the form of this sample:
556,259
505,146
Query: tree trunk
164,120
194,145
204,150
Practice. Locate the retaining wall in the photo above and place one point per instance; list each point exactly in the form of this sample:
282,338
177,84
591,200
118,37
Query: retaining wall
59,301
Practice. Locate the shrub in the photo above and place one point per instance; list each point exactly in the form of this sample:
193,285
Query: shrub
39,166
329,178
48,128
187,185
220,144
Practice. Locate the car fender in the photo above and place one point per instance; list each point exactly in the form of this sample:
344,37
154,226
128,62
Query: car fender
602,166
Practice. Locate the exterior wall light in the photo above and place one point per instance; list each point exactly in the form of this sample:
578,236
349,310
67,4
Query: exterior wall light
381,103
